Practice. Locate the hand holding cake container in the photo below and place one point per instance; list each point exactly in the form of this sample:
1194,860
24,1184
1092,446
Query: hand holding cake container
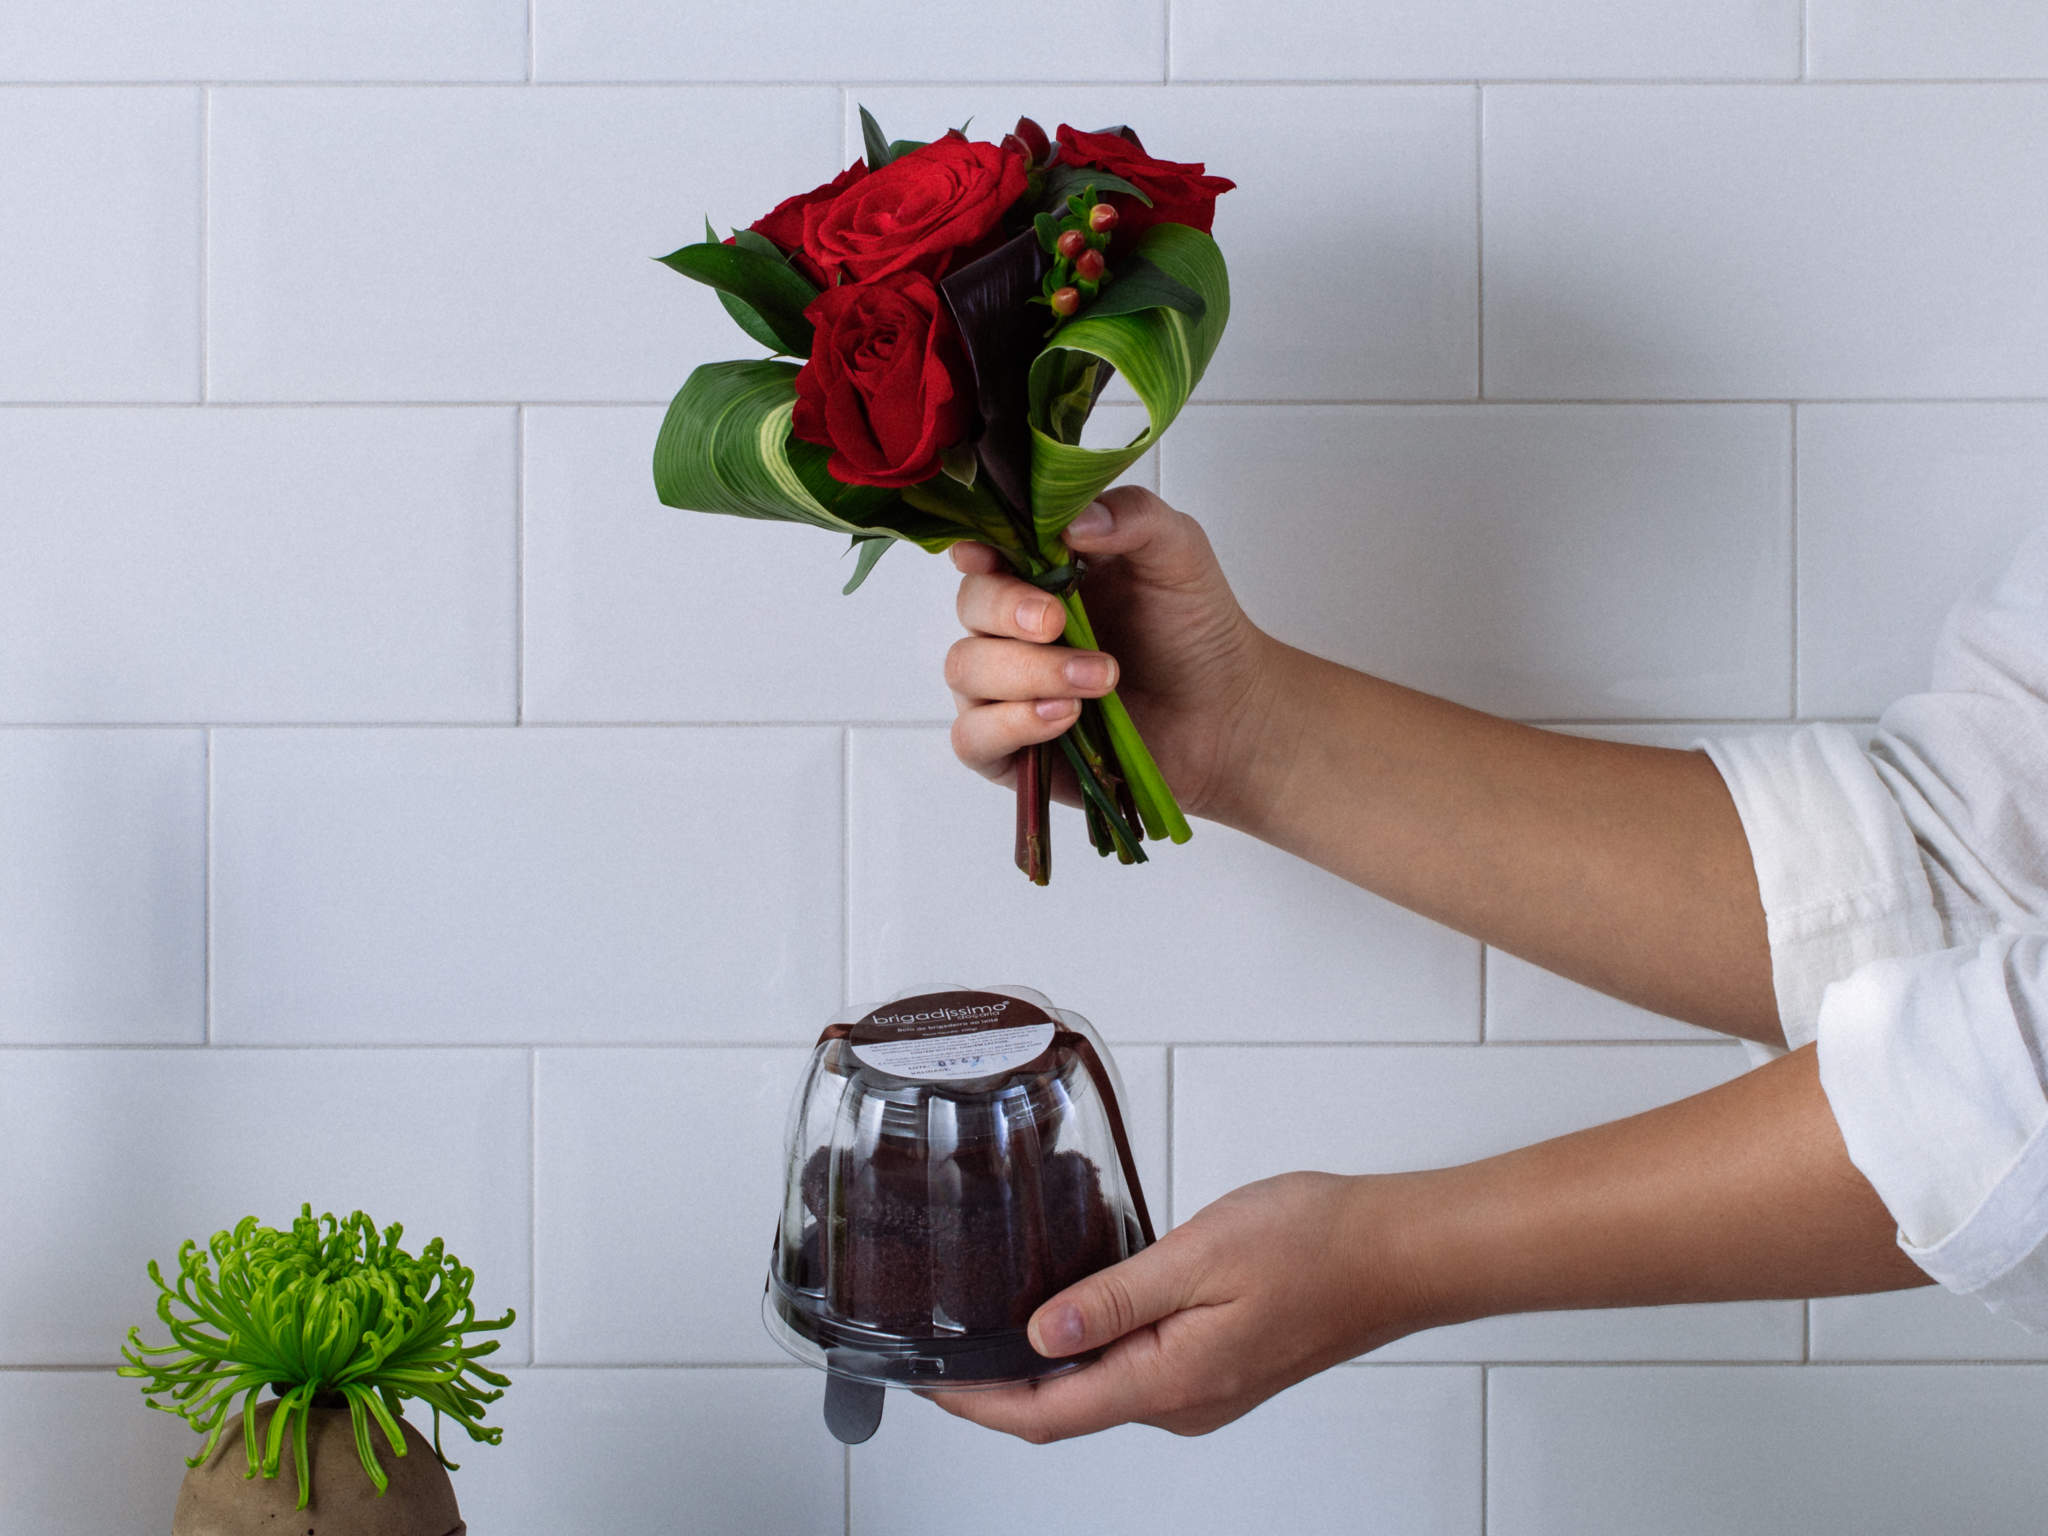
955,309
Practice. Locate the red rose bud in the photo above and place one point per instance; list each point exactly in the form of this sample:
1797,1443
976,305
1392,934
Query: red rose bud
1072,243
1065,301
1088,266
1035,141
1101,217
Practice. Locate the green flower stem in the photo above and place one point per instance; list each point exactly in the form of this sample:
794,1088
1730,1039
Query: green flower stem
1156,806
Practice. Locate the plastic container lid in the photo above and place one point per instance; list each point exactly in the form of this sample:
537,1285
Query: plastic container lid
955,1157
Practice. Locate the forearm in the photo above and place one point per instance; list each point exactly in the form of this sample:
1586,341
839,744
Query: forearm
1623,867
1741,1193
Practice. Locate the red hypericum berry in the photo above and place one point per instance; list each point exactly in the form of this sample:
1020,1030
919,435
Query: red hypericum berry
1088,265
1072,243
1017,147
1101,217
1065,300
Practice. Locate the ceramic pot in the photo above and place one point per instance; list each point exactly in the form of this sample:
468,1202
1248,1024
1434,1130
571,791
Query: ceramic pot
219,1499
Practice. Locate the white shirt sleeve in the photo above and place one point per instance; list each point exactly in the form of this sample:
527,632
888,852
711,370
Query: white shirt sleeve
1905,894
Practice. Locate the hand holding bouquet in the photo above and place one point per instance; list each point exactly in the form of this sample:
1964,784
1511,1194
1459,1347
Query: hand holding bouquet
958,307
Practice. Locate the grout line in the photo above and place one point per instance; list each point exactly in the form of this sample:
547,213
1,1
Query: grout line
846,867
1703,1040
529,41
1806,1332
1547,722
1479,223
1172,1070
1205,403
1166,39
1484,949
1272,83
1794,562
1485,1439
519,566
205,237
1805,60
532,1204
206,902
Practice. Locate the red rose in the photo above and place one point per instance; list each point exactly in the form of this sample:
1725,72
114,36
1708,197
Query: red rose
1181,192
879,389
784,223
917,212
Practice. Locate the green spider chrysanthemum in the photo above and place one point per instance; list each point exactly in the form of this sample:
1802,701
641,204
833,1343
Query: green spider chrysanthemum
326,1310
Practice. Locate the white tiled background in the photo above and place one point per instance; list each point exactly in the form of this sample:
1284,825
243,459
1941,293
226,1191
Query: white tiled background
399,808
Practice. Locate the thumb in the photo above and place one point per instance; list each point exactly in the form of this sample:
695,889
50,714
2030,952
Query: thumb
1160,544
1111,1303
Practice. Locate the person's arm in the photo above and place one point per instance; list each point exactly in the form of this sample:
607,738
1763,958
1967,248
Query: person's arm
1740,1193
1623,867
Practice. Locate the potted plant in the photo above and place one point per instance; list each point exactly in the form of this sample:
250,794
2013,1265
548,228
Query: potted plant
343,1325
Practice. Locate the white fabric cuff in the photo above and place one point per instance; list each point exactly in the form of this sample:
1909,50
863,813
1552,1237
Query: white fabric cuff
1836,863
1929,1066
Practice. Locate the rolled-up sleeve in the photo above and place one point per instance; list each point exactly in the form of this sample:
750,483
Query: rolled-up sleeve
1932,1067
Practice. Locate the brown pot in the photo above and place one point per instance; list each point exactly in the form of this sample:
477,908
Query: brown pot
219,1499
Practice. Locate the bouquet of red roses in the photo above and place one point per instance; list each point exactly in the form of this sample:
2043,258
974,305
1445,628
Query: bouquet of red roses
957,308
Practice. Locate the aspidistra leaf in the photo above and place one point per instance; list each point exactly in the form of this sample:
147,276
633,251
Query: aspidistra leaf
1142,284
874,141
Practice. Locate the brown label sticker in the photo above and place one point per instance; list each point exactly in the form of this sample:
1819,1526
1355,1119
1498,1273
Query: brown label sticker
953,1036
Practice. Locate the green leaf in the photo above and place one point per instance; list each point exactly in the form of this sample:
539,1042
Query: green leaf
869,552
744,314
898,148
1048,229
725,446
1064,181
874,140
774,291
1141,284
1161,352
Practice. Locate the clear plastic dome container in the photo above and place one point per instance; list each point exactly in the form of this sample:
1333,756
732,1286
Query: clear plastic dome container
955,1157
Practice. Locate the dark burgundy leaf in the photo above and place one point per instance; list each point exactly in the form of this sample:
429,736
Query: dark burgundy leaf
1002,331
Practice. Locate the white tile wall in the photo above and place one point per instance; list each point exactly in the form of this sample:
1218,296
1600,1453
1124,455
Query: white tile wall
1356,1449
103,889
99,270
1286,949
252,40
862,40
264,565
1480,554
549,885
1925,39
387,243
1365,296
1901,508
1483,39
137,1150
1717,241
1688,1451
399,808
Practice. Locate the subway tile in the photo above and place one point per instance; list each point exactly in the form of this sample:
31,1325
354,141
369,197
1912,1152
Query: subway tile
1526,1002
612,1144
1687,1451
99,273
729,1453
637,611
285,565
1371,294
1542,561
1246,1113
81,1453
1395,1452
1718,241
863,40
1901,509
138,1150
376,243
250,40
1220,938
1924,1324
103,887
1486,39
541,885
1924,39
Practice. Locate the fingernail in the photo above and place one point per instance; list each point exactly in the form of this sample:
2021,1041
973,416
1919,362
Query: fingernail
1061,1331
1094,520
1055,709
1033,614
1089,671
